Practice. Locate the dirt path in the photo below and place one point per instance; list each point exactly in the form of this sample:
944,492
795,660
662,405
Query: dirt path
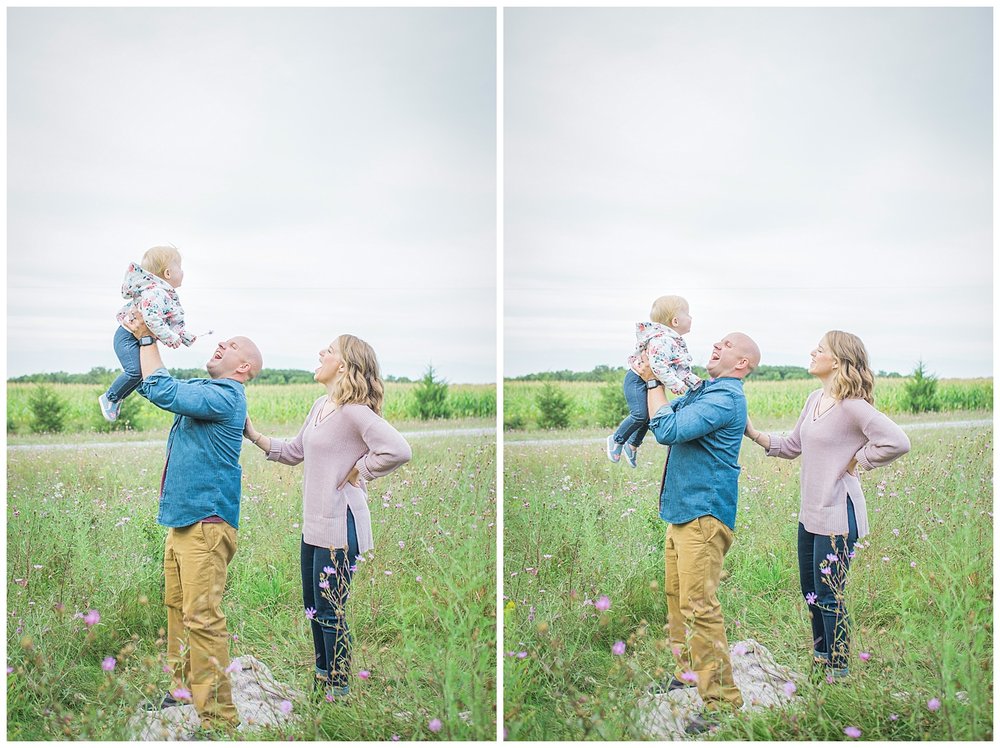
160,443
905,427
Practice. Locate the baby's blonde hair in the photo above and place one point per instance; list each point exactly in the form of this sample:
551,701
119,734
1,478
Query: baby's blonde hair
157,259
666,308
361,383
854,377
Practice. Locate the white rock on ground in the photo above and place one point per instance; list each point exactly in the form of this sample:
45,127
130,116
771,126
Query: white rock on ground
256,694
760,679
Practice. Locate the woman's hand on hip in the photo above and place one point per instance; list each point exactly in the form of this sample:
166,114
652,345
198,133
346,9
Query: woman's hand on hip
353,477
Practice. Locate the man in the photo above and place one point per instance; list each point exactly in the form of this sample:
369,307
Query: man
698,499
200,506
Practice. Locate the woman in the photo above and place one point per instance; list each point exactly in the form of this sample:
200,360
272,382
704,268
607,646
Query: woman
838,431
343,442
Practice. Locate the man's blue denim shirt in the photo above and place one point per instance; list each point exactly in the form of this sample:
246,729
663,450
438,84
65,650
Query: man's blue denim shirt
704,430
202,475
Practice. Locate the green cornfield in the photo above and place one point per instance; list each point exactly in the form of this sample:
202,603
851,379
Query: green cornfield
771,400
276,404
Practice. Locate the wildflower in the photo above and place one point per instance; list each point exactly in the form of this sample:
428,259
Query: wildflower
934,705
92,618
603,603
324,585
329,570
826,570
893,717
402,544
739,649
895,531
364,674
311,613
689,676
419,578
790,689
618,648
913,564
852,732
181,693
109,664
831,557
329,697
864,656
285,707
521,655
811,598
885,558
388,573
9,670
394,738
234,667
434,725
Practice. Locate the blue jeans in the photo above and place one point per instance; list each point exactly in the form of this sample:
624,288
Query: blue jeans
127,350
830,624
635,425
331,638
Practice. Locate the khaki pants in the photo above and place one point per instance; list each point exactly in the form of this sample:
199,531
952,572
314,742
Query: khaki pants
694,553
195,561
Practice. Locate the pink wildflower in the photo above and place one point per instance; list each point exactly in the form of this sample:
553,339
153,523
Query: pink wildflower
864,656
364,674
434,725
181,693
934,705
852,732
109,664
603,603
790,689
618,648
285,707
689,676
811,598
92,618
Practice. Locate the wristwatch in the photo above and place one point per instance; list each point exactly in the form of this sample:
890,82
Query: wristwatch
652,384
147,340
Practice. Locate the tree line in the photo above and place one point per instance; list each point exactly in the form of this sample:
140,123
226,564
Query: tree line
103,376
603,373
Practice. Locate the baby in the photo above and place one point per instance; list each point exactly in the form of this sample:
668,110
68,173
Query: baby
671,363
151,291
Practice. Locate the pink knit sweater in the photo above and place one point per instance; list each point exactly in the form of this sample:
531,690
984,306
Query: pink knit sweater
850,429
351,436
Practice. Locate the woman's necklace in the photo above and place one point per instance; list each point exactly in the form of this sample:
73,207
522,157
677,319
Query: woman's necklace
825,403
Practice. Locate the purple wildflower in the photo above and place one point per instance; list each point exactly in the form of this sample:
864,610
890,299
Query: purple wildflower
434,725
618,648
109,664
852,732
92,618
603,603
934,704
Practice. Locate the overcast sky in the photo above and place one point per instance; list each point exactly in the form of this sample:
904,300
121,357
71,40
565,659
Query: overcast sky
788,171
322,171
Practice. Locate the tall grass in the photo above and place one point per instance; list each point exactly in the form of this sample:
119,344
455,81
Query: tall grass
919,593
82,535
771,400
268,403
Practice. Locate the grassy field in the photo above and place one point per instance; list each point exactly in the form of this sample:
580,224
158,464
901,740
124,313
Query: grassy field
919,592
775,400
82,535
269,403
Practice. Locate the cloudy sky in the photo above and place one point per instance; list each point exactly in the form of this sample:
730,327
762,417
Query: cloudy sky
322,171
788,171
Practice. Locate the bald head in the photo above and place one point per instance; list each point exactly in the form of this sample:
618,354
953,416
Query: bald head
237,358
251,355
736,355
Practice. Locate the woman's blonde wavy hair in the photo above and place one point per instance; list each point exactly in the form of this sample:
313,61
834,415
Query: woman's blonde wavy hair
361,383
854,378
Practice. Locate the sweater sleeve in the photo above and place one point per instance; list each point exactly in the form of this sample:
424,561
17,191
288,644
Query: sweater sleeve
789,447
387,450
290,452
886,442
